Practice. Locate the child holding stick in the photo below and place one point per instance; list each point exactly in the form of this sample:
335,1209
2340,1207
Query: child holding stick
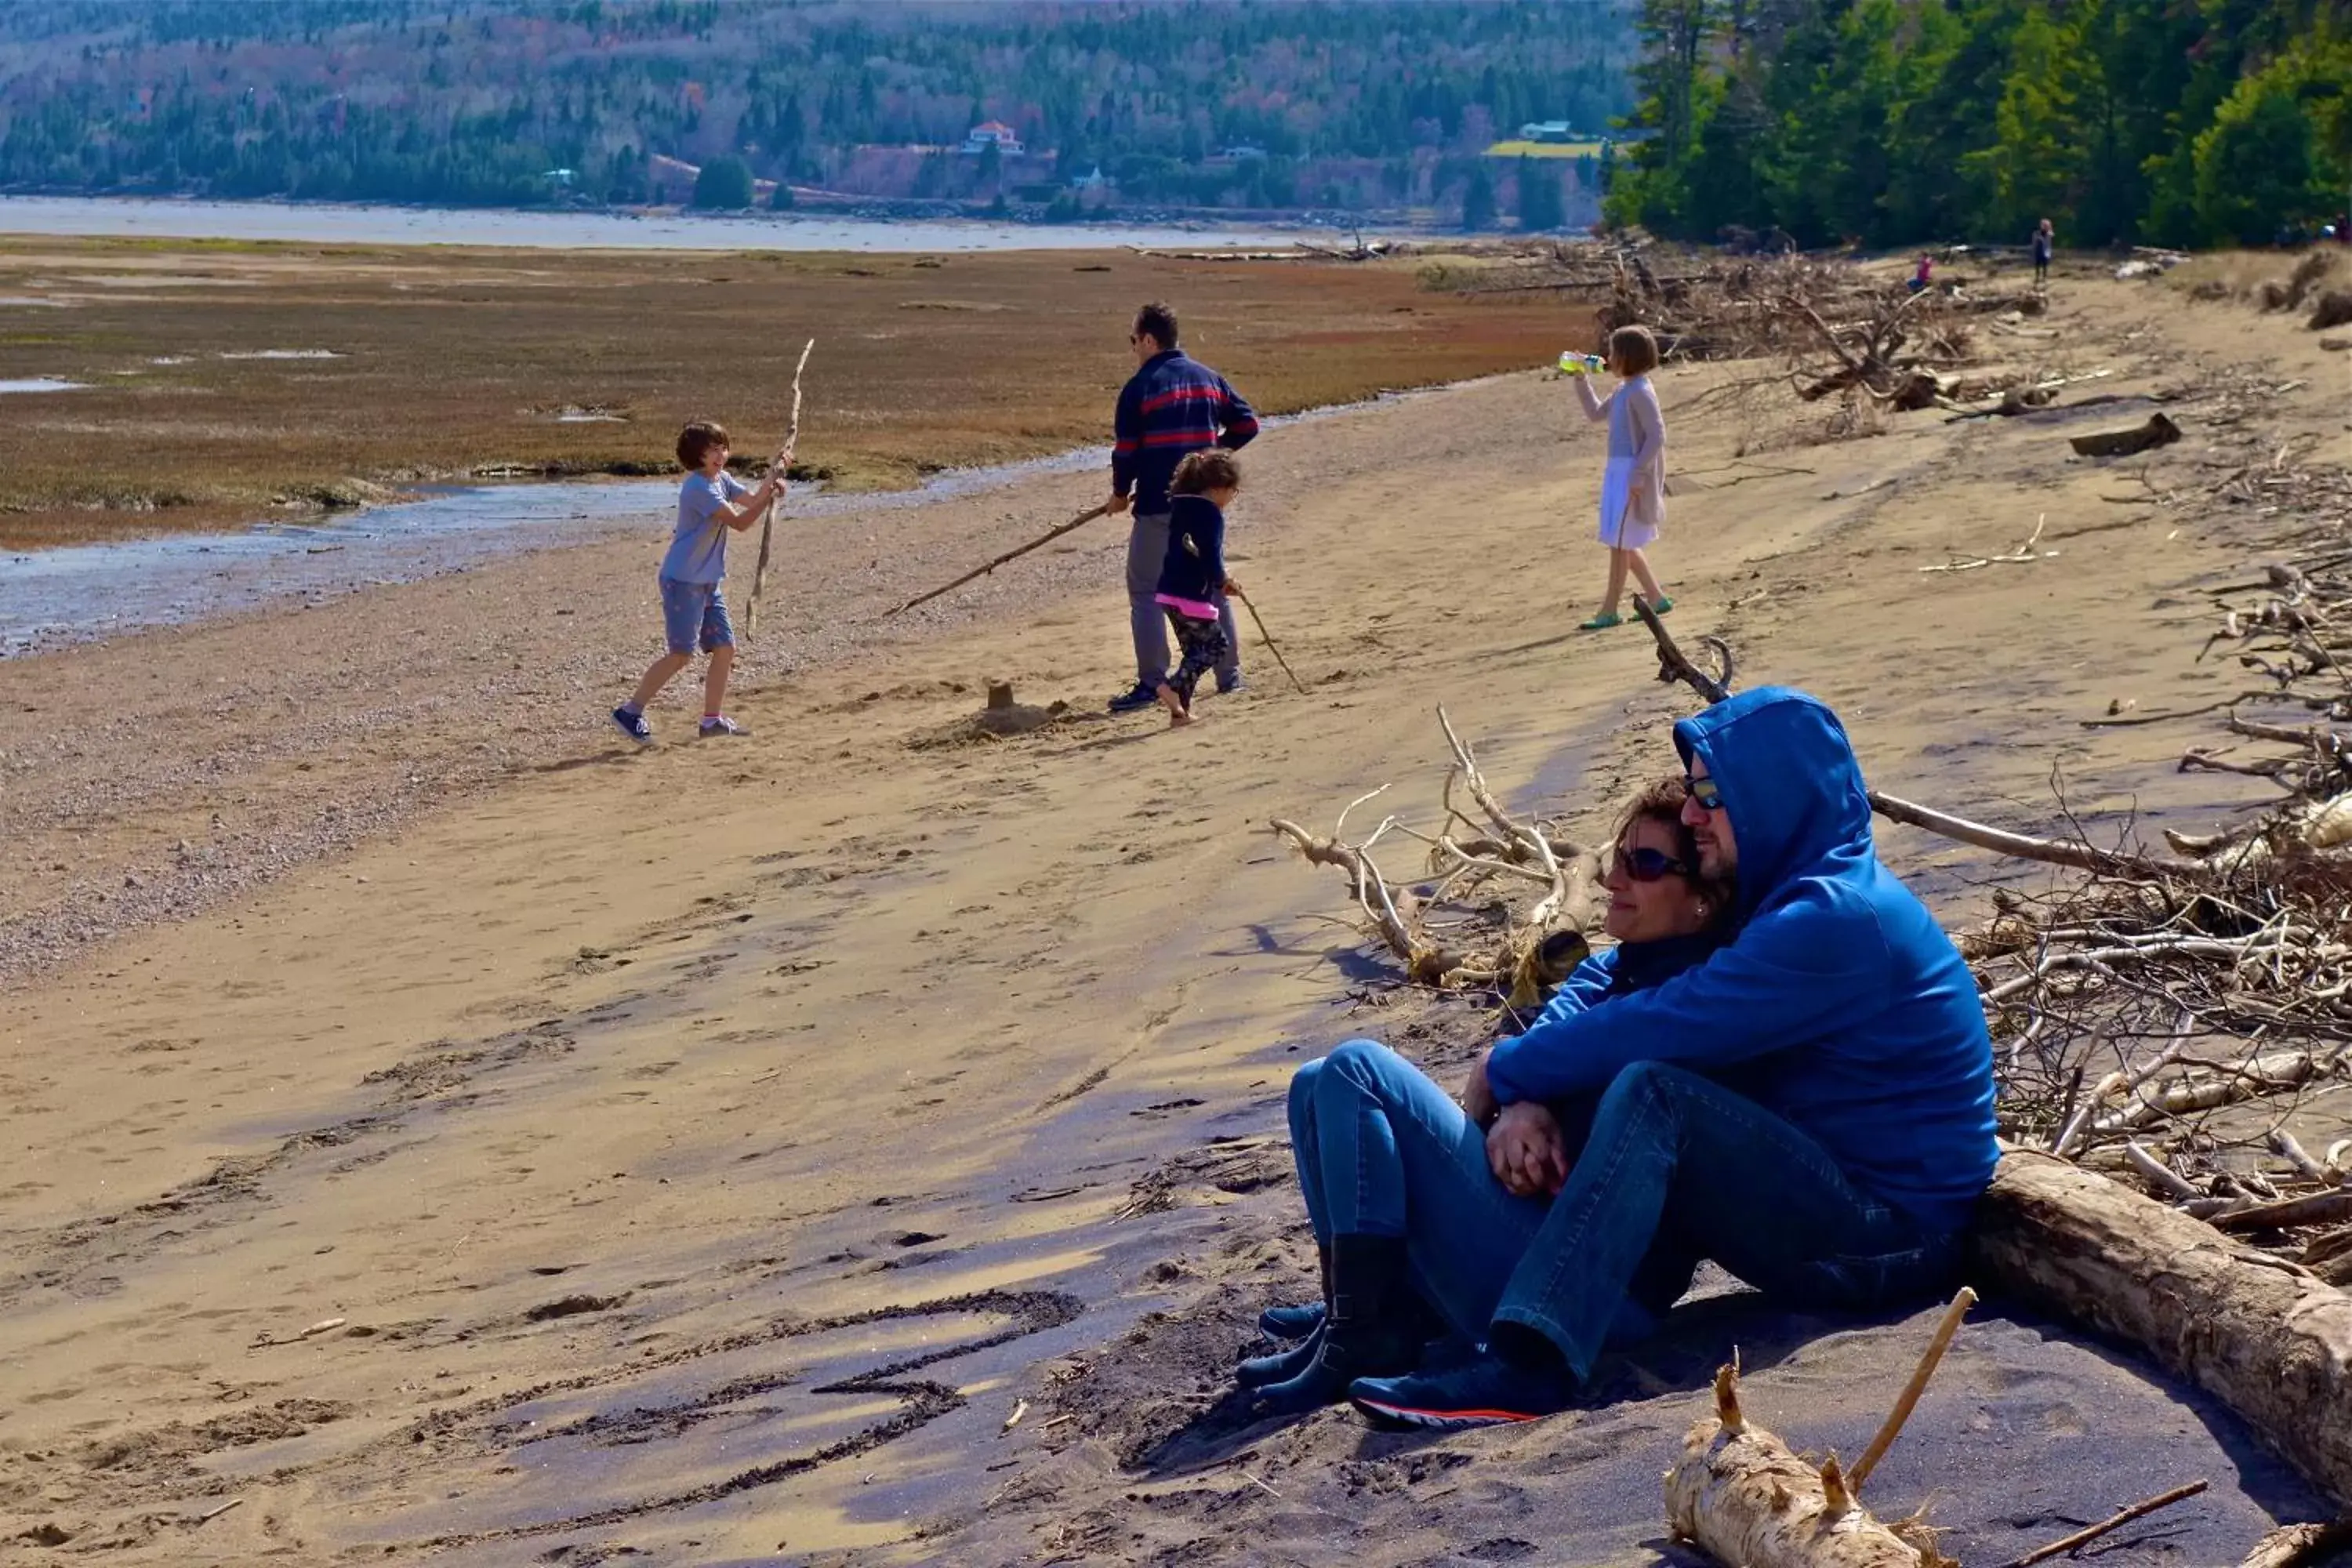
1633,486
710,503
1192,575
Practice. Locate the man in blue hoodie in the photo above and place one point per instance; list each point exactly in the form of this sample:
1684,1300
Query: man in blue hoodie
1843,1171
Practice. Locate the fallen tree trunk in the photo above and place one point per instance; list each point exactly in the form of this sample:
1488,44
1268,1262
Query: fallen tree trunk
2266,1337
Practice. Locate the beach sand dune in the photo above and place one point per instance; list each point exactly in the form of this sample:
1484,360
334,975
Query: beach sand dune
529,1149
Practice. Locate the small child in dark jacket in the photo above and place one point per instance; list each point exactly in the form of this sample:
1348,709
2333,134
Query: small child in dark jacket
1193,578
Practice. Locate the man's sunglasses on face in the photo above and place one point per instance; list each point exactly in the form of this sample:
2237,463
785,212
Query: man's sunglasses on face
1647,865
1703,790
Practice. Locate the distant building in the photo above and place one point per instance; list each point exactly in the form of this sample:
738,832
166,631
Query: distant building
1239,153
1092,179
993,134
1547,130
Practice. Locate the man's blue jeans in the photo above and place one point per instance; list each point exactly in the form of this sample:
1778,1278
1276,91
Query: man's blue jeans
1675,1168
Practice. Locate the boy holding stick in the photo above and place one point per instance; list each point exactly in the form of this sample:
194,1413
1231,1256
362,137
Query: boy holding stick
711,503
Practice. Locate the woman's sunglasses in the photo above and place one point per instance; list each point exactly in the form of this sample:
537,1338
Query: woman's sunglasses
1703,790
1647,865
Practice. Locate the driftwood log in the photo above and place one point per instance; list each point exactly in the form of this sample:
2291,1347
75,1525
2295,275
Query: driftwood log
2266,1337
1746,1500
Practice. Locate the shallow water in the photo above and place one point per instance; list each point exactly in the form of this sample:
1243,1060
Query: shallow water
338,224
87,593
41,384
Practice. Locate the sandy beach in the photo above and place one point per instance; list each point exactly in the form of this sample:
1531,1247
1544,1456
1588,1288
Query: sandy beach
438,1129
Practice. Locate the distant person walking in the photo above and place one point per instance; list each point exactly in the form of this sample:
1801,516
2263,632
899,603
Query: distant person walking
1923,277
710,503
1633,486
1173,407
2045,242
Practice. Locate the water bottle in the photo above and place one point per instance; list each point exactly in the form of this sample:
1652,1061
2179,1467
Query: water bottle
1581,364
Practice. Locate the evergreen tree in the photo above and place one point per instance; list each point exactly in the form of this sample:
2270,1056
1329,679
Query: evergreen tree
723,184
1478,198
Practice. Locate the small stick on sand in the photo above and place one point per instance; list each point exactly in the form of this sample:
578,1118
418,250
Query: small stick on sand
1270,645
2122,1518
218,1509
1912,1390
768,522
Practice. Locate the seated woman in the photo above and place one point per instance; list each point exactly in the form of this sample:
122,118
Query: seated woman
1409,1197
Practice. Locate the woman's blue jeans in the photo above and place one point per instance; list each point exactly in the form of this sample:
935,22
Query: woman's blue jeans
1675,1168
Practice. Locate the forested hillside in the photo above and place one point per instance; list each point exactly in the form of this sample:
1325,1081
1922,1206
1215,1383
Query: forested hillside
1368,104
2173,122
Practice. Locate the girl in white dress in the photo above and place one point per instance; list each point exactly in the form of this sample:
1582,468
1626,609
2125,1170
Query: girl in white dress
1633,486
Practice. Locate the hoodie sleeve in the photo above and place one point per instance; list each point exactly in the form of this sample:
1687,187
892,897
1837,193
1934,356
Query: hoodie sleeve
1583,990
1210,531
1235,420
1790,976
1127,432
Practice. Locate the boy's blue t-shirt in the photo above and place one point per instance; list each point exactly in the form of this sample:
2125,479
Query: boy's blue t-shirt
698,545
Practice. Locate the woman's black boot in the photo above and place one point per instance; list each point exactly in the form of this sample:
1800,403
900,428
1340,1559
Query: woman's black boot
1370,1330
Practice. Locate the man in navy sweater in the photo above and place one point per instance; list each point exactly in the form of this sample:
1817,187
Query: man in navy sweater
1173,406
1845,1166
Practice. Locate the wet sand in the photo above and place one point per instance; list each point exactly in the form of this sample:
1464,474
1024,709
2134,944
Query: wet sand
524,1149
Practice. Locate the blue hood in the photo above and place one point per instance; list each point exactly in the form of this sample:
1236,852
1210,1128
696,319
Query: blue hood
1791,787
1843,1007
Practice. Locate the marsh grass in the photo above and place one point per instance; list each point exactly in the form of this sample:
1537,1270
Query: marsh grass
455,363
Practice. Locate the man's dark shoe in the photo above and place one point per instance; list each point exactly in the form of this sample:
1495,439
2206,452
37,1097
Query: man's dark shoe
1291,1323
1283,1364
1486,1391
1133,701
1372,1330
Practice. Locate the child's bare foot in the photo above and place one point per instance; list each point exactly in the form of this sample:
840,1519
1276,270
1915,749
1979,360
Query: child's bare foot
1179,716
1178,713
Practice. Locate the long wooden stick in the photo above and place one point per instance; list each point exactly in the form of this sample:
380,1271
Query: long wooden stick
1944,1330
1050,534
2056,852
2122,1517
768,523
1270,645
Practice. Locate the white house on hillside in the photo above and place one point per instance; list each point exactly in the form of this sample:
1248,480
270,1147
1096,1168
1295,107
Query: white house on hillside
993,134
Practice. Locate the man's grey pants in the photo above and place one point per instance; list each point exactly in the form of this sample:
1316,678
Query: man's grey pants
1147,552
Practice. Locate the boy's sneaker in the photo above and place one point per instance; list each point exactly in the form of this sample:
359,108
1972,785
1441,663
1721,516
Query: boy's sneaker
1135,702
721,726
633,726
1227,685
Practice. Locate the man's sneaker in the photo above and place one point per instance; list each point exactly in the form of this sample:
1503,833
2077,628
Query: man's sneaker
1227,685
721,726
1486,1391
633,726
1134,702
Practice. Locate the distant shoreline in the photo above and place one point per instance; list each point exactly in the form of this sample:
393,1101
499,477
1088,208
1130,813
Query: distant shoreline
344,223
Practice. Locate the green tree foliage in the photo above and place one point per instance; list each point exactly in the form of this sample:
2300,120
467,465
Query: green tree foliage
723,184
481,101
2181,122
1542,205
1478,199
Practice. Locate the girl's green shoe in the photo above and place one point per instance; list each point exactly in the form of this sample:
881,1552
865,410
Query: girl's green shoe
1601,622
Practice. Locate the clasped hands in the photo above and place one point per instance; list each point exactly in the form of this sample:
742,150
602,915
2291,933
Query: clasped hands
1524,1146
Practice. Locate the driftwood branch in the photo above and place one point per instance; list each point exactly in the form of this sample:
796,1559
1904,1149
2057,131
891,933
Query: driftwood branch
1675,665
1942,1341
2055,852
768,522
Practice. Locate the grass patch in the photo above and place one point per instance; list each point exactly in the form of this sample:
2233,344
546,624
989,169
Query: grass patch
451,358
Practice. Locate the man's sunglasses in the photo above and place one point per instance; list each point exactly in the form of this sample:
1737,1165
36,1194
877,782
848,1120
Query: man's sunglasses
1647,865
1703,790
